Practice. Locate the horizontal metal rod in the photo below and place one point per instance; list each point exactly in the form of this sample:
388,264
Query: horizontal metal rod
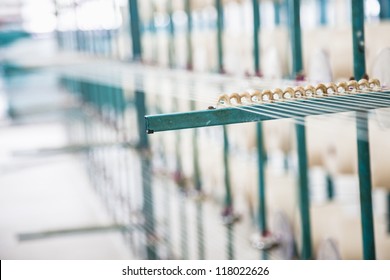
72,149
70,231
254,113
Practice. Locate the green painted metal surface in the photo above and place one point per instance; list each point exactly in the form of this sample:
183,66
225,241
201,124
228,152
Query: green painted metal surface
171,48
295,37
263,112
323,11
303,191
262,212
230,242
189,34
388,211
228,187
329,187
220,27
256,29
198,187
148,203
364,166
359,60
135,30
9,37
277,12
364,171
200,230
384,9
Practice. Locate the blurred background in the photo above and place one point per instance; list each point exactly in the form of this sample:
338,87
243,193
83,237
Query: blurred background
81,179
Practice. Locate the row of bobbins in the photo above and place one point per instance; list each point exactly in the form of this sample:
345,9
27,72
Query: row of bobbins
320,90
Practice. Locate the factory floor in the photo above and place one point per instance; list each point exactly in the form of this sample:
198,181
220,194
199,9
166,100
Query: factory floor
48,210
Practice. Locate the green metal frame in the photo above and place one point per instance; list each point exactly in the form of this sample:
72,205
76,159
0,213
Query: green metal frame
198,188
303,185
388,211
189,34
256,29
135,30
256,113
171,48
322,7
303,191
262,210
295,37
363,146
385,9
277,10
220,27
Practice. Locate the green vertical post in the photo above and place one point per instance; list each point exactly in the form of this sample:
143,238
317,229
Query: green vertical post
329,187
228,194
322,7
219,7
195,153
180,182
388,212
198,188
135,30
295,37
256,29
189,34
277,10
262,213
303,186
367,218
359,60
153,30
144,151
303,190
171,48
363,146
384,9
262,210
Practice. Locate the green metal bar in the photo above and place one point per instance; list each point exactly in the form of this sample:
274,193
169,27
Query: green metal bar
329,187
262,212
303,190
323,6
230,241
148,210
365,188
255,113
135,30
184,231
171,49
364,166
359,61
220,26
388,212
295,37
154,32
189,34
384,9
256,29
200,230
228,194
277,10
198,188
32,236
195,153
180,183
